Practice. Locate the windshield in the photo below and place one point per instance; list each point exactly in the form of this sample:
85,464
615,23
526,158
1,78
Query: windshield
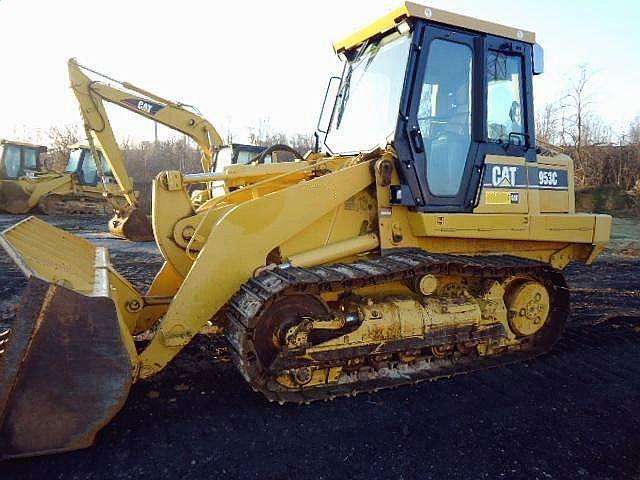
30,158
366,109
12,161
74,161
224,157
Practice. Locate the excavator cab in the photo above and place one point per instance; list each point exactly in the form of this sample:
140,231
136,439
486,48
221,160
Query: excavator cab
227,155
82,164
237,154
19,159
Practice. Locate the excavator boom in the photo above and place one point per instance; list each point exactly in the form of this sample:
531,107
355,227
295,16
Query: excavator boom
176,116
131,223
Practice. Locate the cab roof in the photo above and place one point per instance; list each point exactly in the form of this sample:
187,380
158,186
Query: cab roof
83,146
416,10
23,144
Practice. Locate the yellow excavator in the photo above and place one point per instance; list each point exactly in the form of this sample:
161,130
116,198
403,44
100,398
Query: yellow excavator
130,222
25,185
425,238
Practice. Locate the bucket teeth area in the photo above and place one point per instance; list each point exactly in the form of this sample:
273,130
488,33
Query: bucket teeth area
64,374
67,360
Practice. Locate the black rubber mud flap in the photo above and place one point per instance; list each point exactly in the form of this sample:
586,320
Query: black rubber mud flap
65,372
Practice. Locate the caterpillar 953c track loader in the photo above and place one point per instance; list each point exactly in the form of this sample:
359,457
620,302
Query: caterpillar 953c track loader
426,240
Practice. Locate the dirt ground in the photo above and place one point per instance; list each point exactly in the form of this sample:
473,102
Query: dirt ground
574,413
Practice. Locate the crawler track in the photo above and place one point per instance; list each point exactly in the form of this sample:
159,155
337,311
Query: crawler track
256,295
74,205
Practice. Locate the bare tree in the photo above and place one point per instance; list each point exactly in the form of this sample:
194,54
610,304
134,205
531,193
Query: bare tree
579,101
264,135
547,124
60,139
633,137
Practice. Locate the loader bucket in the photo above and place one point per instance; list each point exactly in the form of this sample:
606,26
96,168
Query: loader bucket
68,364
13,198
131,224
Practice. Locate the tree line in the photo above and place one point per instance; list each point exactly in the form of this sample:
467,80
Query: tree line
145,159
602,155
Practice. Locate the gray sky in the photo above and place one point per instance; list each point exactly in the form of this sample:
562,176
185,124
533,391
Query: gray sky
241,62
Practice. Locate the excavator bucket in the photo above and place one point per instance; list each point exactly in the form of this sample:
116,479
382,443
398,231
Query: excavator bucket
131,224
68,360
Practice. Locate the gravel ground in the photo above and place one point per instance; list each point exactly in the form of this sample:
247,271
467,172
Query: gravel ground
571,414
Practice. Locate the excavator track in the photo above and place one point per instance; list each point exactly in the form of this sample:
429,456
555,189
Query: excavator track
251,301
74,205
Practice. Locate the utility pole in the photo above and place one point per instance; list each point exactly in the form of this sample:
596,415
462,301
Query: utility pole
622,137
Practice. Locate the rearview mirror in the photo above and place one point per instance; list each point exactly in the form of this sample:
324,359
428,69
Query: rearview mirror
327,107
538,60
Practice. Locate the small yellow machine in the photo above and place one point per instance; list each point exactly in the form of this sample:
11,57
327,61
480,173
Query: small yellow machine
25,185
425,239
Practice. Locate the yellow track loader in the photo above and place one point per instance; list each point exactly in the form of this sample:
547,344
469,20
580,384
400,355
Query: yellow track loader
426,239
25,184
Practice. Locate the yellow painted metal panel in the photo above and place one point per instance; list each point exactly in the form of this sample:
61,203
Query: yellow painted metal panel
563,228
577,228
515,227
602,230
470,23
52,254
410,9
552,201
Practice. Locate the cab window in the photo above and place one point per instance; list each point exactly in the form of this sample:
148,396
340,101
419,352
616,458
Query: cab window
12,161
244,157
223,159
74,161
30,159
444,114
504,97
89,172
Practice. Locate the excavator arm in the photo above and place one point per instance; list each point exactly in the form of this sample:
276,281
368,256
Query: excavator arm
131,223
177,116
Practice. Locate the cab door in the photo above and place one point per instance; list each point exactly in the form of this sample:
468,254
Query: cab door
88,172
467,98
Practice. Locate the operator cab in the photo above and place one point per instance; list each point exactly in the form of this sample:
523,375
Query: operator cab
238,154
446,91
82,164
19,160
